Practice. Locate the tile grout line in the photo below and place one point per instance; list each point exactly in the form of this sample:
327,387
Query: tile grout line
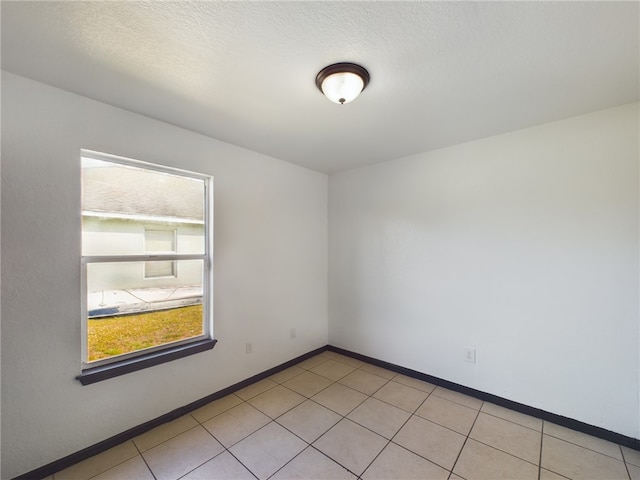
198,466
540,457
144,459
466,439
113,466
238,460
506,419
626,465
228,449
389,441
444,426
506,453
418,454
344,417
275,419
332,459
310,445
225,449
587,448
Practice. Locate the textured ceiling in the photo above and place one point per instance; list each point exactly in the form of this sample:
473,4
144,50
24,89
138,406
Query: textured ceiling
442,73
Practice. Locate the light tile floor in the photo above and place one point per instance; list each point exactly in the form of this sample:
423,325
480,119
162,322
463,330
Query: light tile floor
333,417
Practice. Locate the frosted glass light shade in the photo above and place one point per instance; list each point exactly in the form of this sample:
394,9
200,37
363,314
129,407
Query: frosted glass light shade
342,87
342,82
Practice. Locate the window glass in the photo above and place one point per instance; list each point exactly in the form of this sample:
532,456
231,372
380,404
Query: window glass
125,316
120,201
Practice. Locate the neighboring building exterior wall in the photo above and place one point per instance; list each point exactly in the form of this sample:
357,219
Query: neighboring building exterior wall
105,236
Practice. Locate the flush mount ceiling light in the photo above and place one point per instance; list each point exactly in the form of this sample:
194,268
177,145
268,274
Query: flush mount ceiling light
342,82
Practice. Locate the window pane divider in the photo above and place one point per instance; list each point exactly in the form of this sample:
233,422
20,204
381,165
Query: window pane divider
142,258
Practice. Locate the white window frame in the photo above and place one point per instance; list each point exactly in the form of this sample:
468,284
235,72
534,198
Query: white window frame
150,356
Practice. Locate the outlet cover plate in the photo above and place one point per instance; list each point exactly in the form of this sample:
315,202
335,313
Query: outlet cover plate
470,355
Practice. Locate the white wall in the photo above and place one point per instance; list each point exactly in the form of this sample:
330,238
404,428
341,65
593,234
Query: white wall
523,246
270,271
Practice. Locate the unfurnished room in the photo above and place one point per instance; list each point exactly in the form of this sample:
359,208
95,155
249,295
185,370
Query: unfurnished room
320,240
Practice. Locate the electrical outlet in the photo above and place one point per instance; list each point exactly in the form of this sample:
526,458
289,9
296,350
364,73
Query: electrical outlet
292,333
249,347
470,355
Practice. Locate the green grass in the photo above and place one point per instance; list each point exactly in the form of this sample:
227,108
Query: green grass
117,335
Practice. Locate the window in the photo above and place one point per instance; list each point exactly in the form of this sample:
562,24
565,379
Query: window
146,265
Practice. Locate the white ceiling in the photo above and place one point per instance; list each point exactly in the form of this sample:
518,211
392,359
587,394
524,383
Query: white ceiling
442,73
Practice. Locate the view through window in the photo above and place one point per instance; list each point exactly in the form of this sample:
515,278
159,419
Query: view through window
145,257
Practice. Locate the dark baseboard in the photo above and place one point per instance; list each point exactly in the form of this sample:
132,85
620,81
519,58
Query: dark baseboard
111,442
599,432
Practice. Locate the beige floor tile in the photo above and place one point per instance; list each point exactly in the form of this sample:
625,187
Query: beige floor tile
458,397
579,463
631,456
223,467
509,437
352,362
381,372
216,408
453,476
255,389
277,401
287,374
634,472
433,442
364,382
333,370
547,475
99,463
512,416
328,354
448,414
309,420
339,398
397,463
267,450
164,432
414,383
481,462
134,469
175,457
351,445
309,363
307,384
235,424
401,396
584,440
313,465
382,418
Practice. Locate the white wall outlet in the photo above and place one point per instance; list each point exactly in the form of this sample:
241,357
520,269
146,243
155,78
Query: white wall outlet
292,333
470,355
249,347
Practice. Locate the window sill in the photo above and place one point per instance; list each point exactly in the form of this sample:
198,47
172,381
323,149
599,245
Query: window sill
105,372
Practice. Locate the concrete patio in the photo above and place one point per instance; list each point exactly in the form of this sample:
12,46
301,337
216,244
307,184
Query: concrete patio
107,303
